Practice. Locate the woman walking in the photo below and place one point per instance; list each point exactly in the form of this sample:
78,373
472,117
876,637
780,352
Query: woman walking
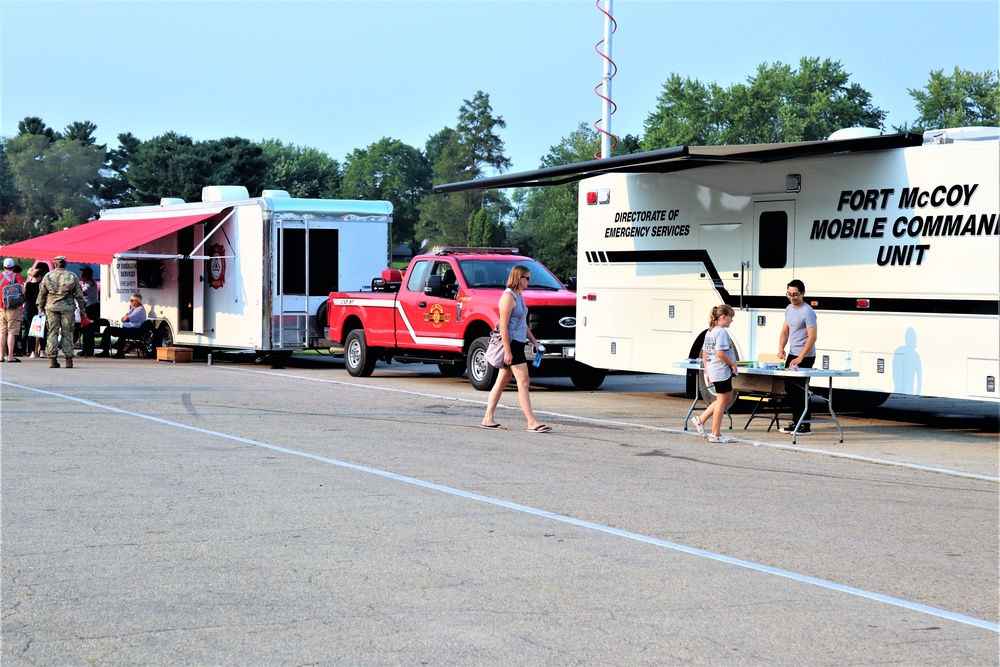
515,334
720,368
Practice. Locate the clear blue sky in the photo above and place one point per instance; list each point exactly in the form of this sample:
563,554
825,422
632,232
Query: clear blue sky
340,75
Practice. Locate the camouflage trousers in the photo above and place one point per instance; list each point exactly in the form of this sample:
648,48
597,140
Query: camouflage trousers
59,325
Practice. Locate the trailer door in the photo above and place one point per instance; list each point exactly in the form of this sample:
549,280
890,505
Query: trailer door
306,271
190,282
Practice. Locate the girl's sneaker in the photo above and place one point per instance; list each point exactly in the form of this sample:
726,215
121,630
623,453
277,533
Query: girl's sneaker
719,438
698,425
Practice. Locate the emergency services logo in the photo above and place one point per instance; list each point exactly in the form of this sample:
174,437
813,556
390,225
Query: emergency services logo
217,266
437,316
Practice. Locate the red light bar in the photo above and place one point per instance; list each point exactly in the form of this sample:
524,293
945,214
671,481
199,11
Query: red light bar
592,197
590,297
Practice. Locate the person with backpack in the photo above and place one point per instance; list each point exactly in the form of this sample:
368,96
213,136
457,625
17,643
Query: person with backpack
12,295
58,296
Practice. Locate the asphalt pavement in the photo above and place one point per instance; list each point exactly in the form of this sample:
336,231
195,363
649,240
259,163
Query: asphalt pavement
233,514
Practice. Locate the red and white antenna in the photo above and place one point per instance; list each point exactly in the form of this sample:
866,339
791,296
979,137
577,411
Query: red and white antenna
608,140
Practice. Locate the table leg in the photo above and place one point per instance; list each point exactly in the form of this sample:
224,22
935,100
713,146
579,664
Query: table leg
694,404
829,404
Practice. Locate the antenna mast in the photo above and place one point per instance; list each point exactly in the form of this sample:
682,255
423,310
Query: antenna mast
608,141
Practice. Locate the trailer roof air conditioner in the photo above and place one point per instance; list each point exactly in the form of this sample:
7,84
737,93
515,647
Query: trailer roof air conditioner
223,192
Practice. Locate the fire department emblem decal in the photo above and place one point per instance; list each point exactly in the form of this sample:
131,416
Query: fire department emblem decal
437,316
217,266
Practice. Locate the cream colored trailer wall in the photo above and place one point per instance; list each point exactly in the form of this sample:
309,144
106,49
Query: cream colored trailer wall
899,249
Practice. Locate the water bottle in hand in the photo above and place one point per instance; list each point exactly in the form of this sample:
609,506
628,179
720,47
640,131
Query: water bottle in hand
539,351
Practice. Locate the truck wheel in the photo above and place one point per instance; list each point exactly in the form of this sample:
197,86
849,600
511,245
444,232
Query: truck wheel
358,357
451,370
482,376
586,378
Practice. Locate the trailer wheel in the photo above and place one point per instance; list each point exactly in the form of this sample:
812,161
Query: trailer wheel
164,337
359,359
451,370
586,377
482,376
147,339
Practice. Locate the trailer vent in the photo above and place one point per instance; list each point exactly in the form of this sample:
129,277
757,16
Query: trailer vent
170,201
223,192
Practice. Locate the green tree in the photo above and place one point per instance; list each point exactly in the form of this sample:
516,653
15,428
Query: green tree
303,172
35,125
167,166
115,190
485,231
174,165
466,153
777,104
10,199
963,99
82,132
57,178
391,170
550,217
235,161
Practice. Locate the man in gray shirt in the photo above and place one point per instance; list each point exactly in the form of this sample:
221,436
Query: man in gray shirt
799,333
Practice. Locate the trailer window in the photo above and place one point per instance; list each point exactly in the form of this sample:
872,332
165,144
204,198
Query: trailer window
773,240
323,269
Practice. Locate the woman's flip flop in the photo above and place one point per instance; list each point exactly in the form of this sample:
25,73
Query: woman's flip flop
541,428
493,427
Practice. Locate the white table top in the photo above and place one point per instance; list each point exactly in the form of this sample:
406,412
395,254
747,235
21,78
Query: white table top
779,372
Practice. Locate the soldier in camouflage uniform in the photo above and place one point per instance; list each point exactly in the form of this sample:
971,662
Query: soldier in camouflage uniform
58,295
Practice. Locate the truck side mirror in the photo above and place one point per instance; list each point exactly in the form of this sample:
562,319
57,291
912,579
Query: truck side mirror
433,286
571,284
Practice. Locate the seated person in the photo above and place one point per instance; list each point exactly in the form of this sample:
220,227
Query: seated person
131,321
449,284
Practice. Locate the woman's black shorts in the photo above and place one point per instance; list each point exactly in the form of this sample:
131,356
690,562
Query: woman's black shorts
724,386
517,351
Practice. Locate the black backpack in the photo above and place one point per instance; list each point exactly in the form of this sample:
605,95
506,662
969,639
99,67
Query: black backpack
13,295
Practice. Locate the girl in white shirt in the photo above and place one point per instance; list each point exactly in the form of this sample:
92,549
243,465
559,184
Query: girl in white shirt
720,367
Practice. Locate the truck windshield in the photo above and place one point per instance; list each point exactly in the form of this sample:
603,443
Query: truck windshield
482,273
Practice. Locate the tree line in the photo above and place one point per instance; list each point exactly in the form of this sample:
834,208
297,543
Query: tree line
51,180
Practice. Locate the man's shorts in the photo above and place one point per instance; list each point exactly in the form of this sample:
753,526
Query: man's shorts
10,321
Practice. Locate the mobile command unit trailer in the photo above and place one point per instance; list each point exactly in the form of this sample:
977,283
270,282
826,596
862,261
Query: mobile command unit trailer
232,271
896,237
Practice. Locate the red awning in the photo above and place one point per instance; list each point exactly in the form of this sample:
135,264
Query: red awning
98,241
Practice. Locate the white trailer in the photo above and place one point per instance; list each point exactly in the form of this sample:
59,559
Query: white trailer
897,239
232,271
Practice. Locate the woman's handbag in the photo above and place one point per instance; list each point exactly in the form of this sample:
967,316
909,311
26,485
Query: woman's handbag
494,353
37,328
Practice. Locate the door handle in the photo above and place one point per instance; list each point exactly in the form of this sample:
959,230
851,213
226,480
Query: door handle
422,304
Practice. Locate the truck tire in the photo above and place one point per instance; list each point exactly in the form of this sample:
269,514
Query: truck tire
482,376
586,377
451,370
359,359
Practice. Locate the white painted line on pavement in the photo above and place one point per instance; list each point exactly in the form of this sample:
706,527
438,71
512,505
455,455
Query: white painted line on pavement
794,576
610,422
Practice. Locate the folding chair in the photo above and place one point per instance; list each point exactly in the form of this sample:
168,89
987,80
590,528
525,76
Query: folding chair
765,391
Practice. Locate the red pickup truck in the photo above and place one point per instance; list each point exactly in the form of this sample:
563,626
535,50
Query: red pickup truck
442,310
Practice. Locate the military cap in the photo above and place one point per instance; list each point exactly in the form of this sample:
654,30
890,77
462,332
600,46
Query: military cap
59,258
